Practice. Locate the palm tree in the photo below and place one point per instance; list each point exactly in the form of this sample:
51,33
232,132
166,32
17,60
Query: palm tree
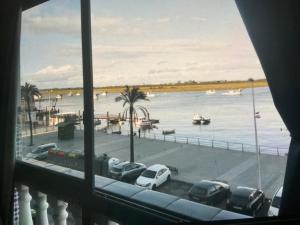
129,97
28,91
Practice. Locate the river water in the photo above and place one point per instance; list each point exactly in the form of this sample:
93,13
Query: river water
231,116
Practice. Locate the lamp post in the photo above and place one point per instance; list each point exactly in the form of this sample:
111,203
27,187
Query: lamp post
255,116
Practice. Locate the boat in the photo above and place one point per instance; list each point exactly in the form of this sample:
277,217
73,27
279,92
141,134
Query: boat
77,94
37,97
211,92
197,119
58,97
70,94
104,93
144,123
166,132
233,92
205,121
150,95
154,121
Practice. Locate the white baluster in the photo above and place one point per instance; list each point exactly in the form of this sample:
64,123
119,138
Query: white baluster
61,214
42,216
24,204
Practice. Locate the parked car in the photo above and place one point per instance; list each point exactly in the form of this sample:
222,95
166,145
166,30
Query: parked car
246,200
126,171
209,192
154,176
275,204
41,152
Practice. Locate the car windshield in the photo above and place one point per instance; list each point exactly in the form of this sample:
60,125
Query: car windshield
149,173
276,202
198,190
117,169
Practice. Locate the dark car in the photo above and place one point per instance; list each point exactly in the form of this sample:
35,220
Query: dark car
246,200
126,171
209,192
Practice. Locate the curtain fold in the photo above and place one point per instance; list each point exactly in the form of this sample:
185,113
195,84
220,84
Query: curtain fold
274,29
10,19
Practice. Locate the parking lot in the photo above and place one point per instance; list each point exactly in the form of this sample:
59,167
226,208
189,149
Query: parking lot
194,163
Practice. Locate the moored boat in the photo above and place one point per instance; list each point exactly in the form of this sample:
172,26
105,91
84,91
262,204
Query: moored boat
233,92
166,132
58,96
211,92
197,119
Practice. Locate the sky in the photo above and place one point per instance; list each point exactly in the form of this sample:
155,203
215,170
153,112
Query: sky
137,42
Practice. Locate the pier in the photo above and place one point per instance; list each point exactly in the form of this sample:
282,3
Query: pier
194,162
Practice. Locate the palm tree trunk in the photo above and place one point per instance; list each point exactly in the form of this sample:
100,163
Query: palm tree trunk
131,134
30,121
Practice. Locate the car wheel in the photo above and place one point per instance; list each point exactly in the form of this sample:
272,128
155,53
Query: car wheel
168,178
154,187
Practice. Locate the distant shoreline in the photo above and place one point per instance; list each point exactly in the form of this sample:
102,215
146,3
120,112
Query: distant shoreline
178,87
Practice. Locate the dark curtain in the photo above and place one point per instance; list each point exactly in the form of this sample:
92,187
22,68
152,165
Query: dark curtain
274,28
10,17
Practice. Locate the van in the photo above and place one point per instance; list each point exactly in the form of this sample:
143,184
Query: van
275,204
41,152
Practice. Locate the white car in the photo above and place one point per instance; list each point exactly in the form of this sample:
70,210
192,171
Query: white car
41,152
154,176
275,204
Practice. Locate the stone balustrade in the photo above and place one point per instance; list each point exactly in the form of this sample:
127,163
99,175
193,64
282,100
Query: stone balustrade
40,216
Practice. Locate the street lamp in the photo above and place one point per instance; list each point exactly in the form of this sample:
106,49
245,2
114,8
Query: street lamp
256,116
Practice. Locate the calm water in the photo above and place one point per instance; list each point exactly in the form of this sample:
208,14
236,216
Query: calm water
231,116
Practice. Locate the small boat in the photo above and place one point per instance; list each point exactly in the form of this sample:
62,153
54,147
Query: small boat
233,92
205,121
58,97
70,94
144,123
77,94
166,132
104,93
150,95
211,92
37,97
197,119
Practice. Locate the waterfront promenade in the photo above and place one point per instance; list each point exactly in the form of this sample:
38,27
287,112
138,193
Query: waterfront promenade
193,162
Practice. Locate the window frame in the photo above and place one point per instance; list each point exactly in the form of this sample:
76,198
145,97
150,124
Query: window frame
93,199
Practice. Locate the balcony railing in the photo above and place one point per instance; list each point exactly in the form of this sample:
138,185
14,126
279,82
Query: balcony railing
156,204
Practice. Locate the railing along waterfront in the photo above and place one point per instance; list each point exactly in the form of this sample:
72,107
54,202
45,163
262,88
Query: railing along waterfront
216,144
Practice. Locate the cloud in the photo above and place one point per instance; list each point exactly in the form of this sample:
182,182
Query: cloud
56,76
69,25
198,19
163,20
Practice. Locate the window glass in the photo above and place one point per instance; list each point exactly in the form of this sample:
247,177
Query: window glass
51,96
191,62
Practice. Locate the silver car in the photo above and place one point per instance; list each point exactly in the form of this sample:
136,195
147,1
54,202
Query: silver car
41,152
